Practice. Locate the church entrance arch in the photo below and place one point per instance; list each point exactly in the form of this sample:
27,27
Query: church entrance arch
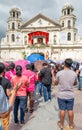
39,37
41,53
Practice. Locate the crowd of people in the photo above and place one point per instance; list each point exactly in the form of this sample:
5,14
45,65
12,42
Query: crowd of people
19,88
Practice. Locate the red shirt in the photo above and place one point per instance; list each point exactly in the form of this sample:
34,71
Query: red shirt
22,90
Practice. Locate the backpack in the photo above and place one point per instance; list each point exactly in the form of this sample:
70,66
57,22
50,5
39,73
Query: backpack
46,76
4,103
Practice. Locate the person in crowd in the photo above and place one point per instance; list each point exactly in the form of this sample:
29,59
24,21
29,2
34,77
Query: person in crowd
9,74
31,87
66,79
46,78
80,77
39,85
36,83
7,97
33,68
59,67
21,96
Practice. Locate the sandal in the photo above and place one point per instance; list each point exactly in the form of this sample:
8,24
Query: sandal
71,126
59,124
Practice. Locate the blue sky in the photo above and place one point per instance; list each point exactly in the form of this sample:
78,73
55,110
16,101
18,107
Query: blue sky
30,8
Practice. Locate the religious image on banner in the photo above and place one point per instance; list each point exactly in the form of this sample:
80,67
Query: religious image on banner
47,55
63,37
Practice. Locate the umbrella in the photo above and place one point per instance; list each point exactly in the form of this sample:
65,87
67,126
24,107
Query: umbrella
38,64
34,57
23,63
6,64
51,61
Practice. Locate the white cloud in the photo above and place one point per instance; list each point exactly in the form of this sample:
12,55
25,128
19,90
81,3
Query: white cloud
4,8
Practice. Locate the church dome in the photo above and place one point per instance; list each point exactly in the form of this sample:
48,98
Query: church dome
67,5
15,9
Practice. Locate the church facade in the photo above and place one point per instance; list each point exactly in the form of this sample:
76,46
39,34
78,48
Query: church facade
56,40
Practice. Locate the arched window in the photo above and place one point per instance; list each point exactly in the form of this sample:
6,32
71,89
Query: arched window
68,11
69,23
7,38
74,36
63,24
17,15
13,25
55,38
64,12
69,36
18,25
13,38
25,40
73,23
13,14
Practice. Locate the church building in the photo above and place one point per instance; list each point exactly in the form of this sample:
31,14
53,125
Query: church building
56,40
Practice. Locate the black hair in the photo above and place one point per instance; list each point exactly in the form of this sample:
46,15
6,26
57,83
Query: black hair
28,67
12,66
18,70
0,80
68,62
44,64
2,67
32,66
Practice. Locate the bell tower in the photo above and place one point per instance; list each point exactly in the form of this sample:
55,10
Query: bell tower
13,25
68,23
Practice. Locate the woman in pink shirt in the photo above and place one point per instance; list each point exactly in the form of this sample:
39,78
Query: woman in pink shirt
31,88
9,74
21,96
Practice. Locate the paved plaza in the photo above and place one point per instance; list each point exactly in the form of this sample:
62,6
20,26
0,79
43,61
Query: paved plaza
45,116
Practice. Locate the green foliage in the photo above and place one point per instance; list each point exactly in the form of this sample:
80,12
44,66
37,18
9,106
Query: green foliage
24,54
